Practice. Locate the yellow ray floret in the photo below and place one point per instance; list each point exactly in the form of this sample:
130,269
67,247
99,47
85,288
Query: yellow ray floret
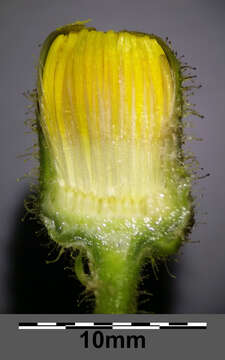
107,113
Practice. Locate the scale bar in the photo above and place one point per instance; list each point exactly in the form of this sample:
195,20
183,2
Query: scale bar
111,326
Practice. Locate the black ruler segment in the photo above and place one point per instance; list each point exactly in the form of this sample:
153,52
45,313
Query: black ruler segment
178,323
182,327
88,327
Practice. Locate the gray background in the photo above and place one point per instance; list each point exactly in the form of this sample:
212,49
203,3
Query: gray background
171,344
56,344
196,29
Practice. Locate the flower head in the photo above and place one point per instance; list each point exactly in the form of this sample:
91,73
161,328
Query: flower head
110,109
112,175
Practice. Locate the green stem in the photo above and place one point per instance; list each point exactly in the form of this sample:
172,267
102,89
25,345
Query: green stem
116,286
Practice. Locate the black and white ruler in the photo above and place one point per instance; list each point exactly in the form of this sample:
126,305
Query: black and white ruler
111,325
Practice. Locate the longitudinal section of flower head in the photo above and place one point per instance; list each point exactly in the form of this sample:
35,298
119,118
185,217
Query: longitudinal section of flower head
108,104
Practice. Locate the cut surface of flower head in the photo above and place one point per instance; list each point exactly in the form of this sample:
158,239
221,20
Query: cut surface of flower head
112,170
109,116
